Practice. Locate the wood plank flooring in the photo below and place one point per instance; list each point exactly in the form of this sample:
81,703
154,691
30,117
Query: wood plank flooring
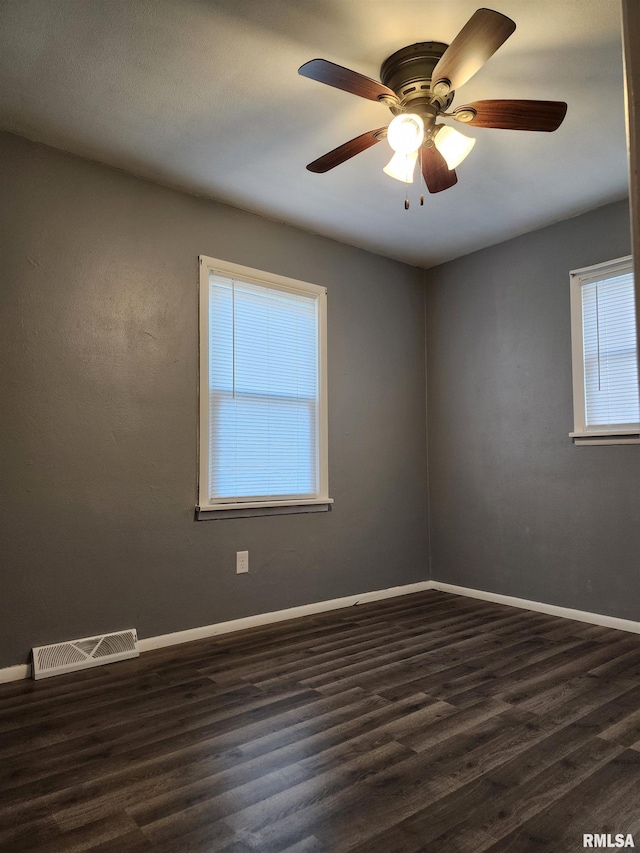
427,722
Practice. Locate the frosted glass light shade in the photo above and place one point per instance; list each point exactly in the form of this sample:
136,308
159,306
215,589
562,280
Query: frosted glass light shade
401,167
405,133
453,145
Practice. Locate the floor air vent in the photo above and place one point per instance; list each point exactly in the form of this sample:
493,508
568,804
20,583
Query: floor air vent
81,654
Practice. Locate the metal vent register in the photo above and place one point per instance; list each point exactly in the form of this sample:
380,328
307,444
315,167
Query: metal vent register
82,654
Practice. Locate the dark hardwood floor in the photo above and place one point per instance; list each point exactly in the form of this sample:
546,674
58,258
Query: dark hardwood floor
427,722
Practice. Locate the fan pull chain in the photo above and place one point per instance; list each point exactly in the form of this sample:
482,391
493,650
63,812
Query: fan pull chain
407,202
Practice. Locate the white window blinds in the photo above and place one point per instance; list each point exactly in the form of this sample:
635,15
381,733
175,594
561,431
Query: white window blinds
610,352
263,401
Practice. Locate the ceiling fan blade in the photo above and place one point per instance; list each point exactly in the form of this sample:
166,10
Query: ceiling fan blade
437,175
476,42
514,115
343,78
347,150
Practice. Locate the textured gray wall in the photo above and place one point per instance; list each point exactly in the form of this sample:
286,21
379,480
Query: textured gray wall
516,508
99,378
631,50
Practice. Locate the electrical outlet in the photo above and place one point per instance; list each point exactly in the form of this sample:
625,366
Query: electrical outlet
242,562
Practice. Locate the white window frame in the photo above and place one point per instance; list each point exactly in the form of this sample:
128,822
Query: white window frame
219,508
583,435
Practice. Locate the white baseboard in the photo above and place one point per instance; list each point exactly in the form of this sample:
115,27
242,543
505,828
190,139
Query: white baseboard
541,607
16,673
277,616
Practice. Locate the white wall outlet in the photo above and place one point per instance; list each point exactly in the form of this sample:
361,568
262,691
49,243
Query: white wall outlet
242,562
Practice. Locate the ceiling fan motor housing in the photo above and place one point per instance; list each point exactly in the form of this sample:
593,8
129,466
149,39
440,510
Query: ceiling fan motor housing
409,72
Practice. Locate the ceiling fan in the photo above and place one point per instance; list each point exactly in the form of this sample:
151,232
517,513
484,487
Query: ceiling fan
418,86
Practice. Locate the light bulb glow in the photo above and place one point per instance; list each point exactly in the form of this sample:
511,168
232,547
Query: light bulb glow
402,166
405,133
453,145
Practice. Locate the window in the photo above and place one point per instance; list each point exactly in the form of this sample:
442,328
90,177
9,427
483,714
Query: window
606,401
263,413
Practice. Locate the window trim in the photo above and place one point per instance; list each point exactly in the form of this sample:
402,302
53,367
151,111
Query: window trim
583,435
252,505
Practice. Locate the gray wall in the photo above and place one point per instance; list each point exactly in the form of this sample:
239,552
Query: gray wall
99,412
631,49
515,507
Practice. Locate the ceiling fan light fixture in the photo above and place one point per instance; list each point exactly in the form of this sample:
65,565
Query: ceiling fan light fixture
402,166
418,84
453,145
405,133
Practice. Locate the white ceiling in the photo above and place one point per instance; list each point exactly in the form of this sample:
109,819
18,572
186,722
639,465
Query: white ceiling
205,95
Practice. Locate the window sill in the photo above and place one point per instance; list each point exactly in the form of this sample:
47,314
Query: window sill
251,510
582,439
